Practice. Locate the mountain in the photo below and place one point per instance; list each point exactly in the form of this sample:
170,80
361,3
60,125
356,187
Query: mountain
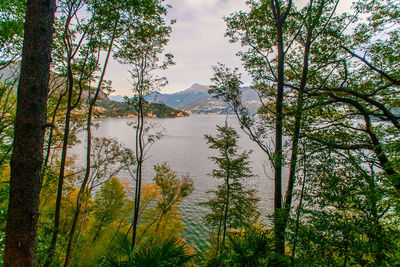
196,99
182,99
117,98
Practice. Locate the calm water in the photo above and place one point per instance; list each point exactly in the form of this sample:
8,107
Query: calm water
184,149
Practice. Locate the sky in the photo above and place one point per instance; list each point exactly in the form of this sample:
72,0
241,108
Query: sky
197,43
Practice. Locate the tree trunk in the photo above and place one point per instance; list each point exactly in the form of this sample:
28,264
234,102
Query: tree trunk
296,231
228,189
98,229
92,103
53,121
280,18
139,157
70,107
30,125
62,170
296,134
278,158
219,232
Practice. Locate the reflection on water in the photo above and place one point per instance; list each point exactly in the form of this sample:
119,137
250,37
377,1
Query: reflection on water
185,150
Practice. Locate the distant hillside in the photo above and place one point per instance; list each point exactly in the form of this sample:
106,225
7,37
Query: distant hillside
110,108
196,99
117,98
107,106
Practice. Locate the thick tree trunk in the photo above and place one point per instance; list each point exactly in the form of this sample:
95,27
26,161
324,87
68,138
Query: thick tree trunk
30,125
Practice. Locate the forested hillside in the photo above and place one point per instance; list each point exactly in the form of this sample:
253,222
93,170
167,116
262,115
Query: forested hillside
108,108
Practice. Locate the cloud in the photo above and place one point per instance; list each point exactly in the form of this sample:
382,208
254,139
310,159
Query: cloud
197,42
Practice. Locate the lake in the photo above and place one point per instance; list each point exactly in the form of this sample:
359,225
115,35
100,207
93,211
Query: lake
185,150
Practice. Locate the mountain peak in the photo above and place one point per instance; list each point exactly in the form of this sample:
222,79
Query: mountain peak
196,86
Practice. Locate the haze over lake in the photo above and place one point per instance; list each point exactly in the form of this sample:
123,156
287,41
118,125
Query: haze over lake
185,150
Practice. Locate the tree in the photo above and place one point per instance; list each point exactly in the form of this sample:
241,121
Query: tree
69,48
364,89
12,14
108,204
272,16
309,39
140,49
30,124
91,102
12,28
347,212
232,206
356,106
108,158
85,29
162,218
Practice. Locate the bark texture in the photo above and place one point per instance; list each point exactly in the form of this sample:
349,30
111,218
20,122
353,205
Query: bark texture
30,126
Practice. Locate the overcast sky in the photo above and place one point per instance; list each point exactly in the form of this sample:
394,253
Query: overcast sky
197,42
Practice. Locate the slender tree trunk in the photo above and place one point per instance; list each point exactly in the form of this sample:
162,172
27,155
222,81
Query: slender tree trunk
226,211
375,236
83,217
53,121
227,178
70,106
92,103
296,231
280,18
296,135
29,129
147,228
62,170
98,229
159,221
346,255
139,157
278,157
116,232
219,231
